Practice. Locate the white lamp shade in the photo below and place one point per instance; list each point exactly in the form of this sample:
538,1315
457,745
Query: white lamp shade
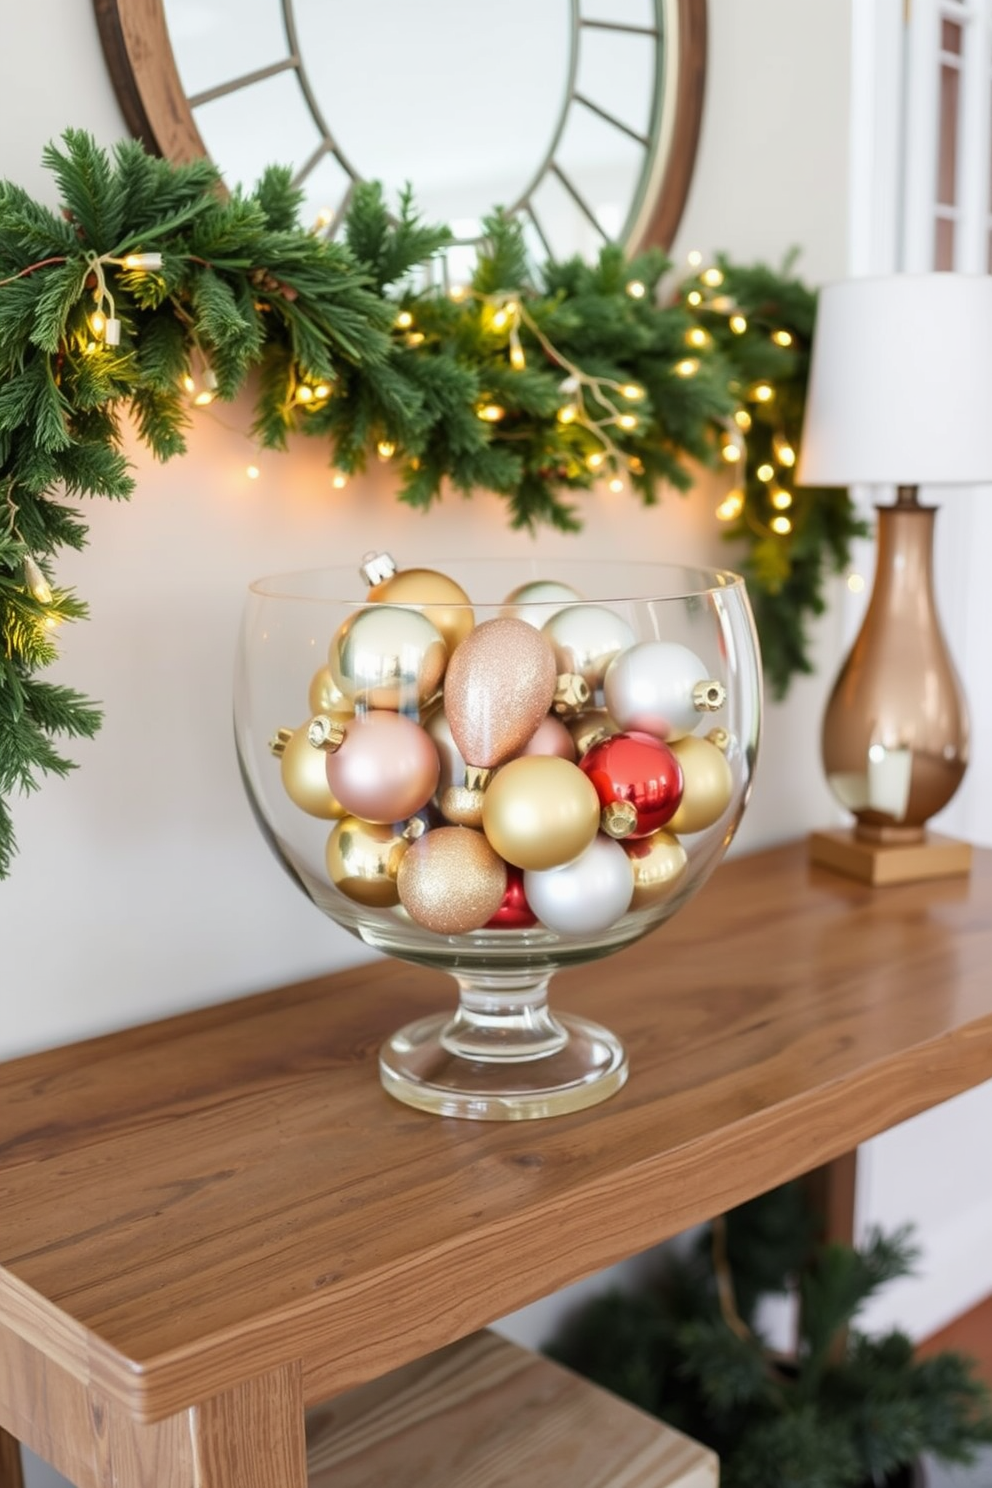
900,388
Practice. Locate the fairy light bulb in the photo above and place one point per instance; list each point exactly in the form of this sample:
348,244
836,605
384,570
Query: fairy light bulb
738,324
687,367
404,320
855,582
694,298
208,392
595,460
697,337
636,289
743,419
501,319
782,338
731,506
780,526
490,413
322,391
416,338
339,481
517,359
616,484
632,392
765,472
731,451
568,413
189,384
36,581
627,421
635,465
385,449
784,453
324,219
304,393
712,278
763,392
457,292
252,472
98,323
694,258
142,261
781,499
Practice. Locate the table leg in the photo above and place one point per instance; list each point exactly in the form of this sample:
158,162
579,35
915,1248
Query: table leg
10,1461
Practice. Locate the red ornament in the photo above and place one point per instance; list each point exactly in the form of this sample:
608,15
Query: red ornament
640,769
514,913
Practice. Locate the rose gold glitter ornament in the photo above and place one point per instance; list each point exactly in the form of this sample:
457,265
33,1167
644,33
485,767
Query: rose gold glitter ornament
499,687
451,881
385,770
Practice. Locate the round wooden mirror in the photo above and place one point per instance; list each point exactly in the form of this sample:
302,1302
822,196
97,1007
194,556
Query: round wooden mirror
581,116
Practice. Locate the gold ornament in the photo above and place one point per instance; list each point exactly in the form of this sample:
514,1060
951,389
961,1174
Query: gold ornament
325,696
461,806
659,863
540,812
618,819
363,860
304,774
451,881
444,602
571,694
708,784
388,657
590,727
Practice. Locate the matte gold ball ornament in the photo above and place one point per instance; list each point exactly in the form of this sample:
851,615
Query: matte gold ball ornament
363,859
325,696
708,784
540,812
304,775
451,881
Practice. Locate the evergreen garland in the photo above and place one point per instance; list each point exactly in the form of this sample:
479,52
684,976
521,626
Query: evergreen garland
151,287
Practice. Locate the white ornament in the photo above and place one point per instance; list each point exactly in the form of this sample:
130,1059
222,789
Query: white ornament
586,638
660,688
586,896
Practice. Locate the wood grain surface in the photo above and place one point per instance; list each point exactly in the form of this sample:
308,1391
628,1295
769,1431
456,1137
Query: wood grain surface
194,1202
10,1462
484,1413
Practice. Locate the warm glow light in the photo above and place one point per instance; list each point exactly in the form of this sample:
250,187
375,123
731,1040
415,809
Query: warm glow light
636,289
98,322
324,218
404,320
780,526
731,506
204,397
458,291
784,453
694,297
304,394
36,581
52,622
635,466
252,472
763,392
567,414
738,324
782,338
616,484
632,391
765,472
142,261
339,482
595,459
501,318
742,419
517,359
687,367
490,413
730,451
781,500
322,390
697,337
694,258
855,582
627,421
188,384
386,449
713,278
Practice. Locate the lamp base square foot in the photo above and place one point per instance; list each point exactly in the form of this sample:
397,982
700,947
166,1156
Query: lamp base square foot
881,863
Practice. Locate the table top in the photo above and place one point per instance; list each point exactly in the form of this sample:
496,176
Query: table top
189,1203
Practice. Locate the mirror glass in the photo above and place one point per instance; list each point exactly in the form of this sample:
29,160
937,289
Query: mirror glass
555,110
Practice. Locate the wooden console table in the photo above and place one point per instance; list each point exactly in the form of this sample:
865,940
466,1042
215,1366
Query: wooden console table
209,1223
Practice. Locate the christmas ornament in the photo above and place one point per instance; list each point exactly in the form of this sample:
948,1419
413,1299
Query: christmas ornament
499,687
551,737
363,859
388,657
444,602
571,694
304,775
638,781
514,913
709,784
589,727
659,863
386,768
538,600
660,688
325,696
452,765
540,812
587,895
451,881
586,638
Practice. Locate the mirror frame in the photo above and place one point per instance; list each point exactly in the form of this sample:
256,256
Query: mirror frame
142,67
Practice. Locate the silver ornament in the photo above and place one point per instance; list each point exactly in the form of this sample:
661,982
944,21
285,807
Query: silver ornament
537,601
586,638
588,895
660,688
388,656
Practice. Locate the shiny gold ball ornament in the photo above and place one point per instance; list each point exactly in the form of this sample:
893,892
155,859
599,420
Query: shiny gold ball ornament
586,638
708,784
444,602
498,689
659,863
325,696
363,860
304,774
388,656
451,881
540,812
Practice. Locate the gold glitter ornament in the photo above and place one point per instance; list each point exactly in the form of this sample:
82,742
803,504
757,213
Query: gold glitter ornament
540,812
388,657
363,860
659,863
708,784
499,687
325,696
444,602
304,774
451,881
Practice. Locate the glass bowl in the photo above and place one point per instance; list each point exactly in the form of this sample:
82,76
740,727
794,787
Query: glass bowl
498,770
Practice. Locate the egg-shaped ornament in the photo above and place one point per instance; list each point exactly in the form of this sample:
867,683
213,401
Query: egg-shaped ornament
536,601
586,638
514,912
363,859
659,863
709,784
660,688
540,812
388,656
385,769
499,686
638,781
586,896
444,602
451,881
304,775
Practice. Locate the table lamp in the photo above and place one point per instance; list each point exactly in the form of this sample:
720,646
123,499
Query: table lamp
900,394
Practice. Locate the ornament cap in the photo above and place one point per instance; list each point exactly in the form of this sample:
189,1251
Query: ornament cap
377,568
325,733
278,742
618,819
720,738
709,695
571,694
414,829
477,778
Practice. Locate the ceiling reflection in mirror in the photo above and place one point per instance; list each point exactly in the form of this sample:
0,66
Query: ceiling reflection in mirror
558,111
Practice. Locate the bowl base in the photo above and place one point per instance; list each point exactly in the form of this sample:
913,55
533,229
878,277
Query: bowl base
417,1069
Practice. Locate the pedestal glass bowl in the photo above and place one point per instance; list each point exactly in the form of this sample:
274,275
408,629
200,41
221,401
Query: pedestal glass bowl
613,712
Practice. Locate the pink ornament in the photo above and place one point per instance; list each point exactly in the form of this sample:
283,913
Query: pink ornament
499,686
386,769
551,737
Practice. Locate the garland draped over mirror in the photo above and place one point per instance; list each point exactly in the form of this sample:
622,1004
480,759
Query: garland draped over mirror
150,293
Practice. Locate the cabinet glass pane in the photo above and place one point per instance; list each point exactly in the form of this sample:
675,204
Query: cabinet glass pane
950,80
